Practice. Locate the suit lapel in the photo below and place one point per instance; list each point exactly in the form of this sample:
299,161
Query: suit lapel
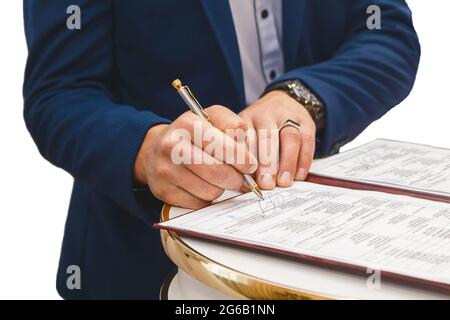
293,21
221,21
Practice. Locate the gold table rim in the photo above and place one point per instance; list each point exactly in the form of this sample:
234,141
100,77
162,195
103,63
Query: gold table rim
241,285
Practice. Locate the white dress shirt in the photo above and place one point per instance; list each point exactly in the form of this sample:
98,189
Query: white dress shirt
258,25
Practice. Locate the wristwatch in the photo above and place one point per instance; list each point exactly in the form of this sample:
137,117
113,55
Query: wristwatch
305,97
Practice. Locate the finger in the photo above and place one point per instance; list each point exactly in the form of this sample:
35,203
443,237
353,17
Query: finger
251,139
216,143
196,186
181,198
268,153
234,127
213,171
224,119
306,154
290,139
225,149
252,146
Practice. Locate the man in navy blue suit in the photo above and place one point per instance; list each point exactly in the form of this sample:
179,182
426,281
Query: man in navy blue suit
98,103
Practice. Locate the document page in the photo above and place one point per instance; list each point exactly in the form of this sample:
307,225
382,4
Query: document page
391,163
382,231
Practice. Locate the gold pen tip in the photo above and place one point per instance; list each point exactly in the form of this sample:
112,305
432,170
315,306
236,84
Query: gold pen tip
177,84
258,192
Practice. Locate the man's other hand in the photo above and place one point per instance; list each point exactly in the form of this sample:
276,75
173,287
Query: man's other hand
285,156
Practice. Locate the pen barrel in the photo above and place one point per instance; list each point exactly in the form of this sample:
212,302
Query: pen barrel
192,103
249,181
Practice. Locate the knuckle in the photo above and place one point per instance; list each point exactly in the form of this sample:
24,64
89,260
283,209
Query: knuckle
307,155
163,171
308,138
215,109
290,134
240,124
167,145
185,121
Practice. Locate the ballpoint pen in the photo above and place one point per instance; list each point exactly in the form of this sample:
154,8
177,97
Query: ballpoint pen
195,107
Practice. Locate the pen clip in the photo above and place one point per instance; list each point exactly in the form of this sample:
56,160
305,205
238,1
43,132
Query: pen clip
199,106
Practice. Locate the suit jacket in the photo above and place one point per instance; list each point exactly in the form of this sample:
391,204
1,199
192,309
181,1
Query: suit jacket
92,94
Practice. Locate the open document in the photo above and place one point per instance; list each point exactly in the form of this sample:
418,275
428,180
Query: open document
400,165
407,239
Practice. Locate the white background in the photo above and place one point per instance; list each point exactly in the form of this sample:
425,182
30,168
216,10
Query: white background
34,195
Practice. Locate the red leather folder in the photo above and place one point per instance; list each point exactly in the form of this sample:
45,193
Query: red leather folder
356,185
337,265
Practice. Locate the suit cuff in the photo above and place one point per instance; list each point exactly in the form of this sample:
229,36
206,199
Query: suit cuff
128,138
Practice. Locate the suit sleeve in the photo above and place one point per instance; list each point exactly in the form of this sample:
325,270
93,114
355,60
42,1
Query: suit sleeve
371,72
70,108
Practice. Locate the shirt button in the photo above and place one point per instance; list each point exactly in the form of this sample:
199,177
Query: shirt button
264,13
272,74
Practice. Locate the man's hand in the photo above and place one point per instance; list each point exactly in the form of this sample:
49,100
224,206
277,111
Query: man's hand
198,182
293,149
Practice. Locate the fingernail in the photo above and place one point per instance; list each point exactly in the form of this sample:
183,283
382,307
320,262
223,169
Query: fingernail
301,174
267,180
253,168
285,178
